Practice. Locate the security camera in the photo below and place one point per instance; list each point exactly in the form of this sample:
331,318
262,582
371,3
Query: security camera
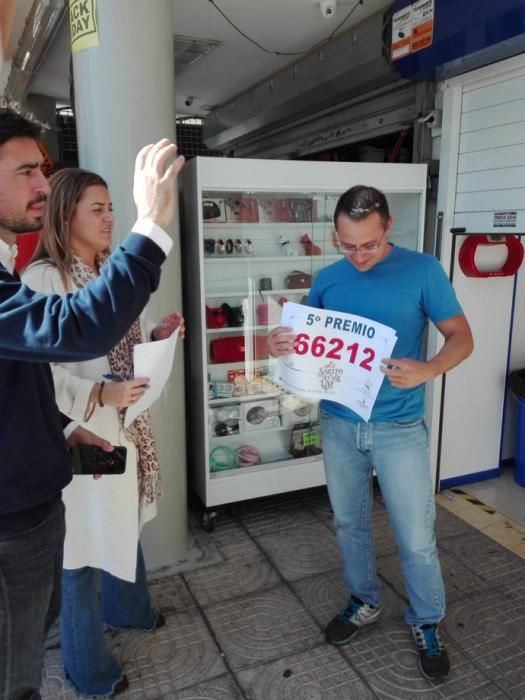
432,119
188,101
328,8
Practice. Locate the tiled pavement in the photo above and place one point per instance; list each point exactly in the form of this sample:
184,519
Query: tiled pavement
251,626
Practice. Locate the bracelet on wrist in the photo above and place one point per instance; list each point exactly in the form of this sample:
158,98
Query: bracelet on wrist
99,396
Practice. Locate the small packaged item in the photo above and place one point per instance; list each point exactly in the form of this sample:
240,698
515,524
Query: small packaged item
305,440
213,211
242,210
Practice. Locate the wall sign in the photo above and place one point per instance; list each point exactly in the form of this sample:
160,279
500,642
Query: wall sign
412,28
83,24
505,219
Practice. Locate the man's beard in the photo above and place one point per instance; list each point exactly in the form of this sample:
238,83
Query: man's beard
21,225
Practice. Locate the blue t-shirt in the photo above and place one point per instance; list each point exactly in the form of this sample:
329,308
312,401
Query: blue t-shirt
403,291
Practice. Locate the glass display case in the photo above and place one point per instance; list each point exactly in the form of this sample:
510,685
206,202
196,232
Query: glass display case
254,235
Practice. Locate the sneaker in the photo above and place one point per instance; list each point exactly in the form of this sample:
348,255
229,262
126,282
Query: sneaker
433,659
356,614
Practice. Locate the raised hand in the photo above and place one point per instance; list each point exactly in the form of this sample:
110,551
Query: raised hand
156,169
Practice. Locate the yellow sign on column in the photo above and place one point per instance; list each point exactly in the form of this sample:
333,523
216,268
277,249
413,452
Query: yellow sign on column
83,23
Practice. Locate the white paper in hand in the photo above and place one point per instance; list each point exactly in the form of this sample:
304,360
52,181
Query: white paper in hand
153,360
337,357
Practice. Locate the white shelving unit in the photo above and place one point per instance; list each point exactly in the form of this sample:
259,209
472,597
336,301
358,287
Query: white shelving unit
225,206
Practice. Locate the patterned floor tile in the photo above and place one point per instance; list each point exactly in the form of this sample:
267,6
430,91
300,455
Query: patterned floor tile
245,570
270,515
492,563
263,627
459,579
177,656
310,550
387,660
223,688
317,674
317,501
170,594
489,629
325,595
449,525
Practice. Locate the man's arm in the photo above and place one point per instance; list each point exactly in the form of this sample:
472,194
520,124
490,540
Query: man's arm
407,373
87,324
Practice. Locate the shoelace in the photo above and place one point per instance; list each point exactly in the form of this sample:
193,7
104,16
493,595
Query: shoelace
351,609
428,638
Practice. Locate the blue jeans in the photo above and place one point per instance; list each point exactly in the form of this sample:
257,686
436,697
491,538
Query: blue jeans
399,454
30,568
87,662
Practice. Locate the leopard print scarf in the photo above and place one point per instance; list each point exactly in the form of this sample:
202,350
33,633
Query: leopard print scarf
121,362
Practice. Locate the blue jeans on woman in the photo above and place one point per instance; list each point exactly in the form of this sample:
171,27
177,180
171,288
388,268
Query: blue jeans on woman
399,454
88,664
30,567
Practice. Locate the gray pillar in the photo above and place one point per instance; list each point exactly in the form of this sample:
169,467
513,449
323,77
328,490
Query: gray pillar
124,99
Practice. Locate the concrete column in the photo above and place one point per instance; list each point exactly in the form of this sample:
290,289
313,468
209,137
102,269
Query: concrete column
124,99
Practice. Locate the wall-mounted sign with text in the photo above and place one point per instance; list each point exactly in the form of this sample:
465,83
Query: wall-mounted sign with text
83,24
412,28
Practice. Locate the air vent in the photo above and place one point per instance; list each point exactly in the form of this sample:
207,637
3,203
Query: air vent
188,50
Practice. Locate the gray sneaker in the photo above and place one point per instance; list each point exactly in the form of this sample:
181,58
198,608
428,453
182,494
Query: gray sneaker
356,614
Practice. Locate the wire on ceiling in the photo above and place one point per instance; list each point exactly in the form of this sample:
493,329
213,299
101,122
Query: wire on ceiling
287,53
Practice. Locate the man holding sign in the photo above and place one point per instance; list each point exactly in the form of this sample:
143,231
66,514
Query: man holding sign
402,290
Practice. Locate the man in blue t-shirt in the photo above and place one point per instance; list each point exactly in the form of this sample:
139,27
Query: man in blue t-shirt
401,289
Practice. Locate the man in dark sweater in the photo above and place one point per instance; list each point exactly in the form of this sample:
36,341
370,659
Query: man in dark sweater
36,329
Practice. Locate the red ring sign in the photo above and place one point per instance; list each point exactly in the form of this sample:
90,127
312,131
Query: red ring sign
468,252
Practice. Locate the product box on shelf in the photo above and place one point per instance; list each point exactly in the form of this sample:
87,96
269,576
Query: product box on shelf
300,210
274,210
213,211
260,415
242,209
297,410
224,420
324,208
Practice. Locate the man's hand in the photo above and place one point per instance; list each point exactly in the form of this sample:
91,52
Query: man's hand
281,341
406,373
81,436
156,168
167,325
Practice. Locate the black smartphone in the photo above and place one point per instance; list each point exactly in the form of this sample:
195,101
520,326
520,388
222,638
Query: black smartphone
89,459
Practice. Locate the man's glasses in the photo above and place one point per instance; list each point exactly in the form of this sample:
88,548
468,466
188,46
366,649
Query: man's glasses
353,249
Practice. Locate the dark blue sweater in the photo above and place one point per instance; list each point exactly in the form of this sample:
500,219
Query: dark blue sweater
36,329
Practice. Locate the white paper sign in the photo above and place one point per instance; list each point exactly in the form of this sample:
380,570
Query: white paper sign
153,360
337,357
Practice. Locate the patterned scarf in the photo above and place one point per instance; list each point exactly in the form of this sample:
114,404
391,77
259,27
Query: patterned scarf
121,362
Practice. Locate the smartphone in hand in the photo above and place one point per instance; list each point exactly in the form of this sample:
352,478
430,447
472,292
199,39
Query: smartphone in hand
89,459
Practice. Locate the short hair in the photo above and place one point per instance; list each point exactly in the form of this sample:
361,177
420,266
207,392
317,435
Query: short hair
359,202
15,122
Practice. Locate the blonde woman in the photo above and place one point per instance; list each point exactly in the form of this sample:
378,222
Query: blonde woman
104,517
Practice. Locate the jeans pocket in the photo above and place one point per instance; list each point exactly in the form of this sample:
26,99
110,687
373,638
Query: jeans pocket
412,423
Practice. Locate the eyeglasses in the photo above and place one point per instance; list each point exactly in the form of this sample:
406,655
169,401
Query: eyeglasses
353,249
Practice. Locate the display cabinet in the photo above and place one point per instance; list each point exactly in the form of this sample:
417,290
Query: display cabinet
254,234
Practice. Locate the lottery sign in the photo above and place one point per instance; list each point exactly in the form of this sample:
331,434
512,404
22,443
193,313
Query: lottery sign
336,356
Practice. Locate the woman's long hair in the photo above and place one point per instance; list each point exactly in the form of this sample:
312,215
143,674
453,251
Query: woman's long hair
67,187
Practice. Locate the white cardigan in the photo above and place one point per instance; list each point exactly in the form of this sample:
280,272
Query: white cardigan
103,521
